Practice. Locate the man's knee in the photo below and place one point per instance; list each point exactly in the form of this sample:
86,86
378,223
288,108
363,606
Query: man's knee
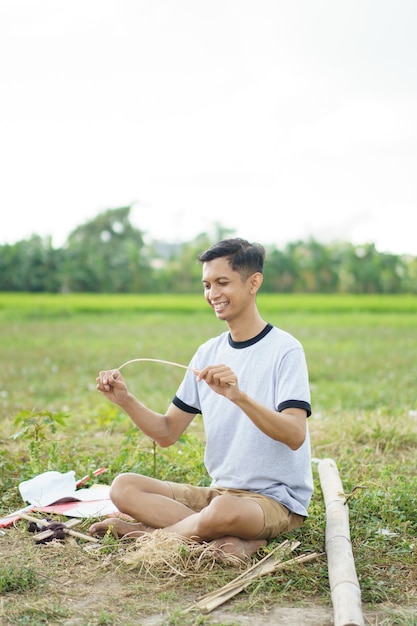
230,515
220,514
120,487
130,485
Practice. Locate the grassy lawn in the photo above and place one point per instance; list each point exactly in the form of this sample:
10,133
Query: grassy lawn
362,360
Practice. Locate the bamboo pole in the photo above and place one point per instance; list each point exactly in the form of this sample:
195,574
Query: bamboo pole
344,586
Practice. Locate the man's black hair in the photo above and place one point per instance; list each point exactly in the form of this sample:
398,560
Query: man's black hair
244,257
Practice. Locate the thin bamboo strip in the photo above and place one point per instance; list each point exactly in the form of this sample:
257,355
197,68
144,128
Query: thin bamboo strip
185,367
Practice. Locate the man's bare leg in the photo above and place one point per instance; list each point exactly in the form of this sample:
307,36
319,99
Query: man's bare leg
233,523
229,521
148,500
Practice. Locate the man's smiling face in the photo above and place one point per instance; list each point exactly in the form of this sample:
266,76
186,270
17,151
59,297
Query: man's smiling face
225,291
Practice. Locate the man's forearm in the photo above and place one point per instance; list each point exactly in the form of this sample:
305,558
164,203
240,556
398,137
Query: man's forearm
286,426
152,424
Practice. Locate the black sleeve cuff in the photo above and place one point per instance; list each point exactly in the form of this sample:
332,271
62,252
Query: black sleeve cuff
296,404
184,407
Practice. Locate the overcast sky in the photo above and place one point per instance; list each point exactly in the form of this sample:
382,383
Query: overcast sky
280,119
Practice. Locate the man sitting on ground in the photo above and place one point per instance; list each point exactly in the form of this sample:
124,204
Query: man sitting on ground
250,384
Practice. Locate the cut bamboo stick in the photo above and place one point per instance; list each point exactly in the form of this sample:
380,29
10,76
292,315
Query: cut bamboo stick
67,528
48,533
206,605
270,563
344,586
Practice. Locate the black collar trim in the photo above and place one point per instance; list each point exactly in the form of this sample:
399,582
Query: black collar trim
250,342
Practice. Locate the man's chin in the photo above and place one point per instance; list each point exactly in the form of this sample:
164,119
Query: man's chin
221,315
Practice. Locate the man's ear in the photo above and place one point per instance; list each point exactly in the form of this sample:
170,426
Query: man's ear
256,281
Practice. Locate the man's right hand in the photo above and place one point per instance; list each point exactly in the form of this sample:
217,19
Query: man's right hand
111,384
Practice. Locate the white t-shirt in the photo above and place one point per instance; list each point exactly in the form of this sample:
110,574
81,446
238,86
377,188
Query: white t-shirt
271,368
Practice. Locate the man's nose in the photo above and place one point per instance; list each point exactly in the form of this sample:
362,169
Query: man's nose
214,292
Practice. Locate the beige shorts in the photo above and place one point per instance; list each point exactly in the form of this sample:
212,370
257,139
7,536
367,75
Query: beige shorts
277,518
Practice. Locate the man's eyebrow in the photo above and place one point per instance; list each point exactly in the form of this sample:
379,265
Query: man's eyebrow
204,280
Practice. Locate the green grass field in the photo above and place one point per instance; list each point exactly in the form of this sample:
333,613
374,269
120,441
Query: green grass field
361,353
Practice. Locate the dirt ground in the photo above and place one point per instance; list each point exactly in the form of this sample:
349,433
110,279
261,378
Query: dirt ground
287,616
278,617
79,591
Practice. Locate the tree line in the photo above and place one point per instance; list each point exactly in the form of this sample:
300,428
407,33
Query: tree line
109,255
